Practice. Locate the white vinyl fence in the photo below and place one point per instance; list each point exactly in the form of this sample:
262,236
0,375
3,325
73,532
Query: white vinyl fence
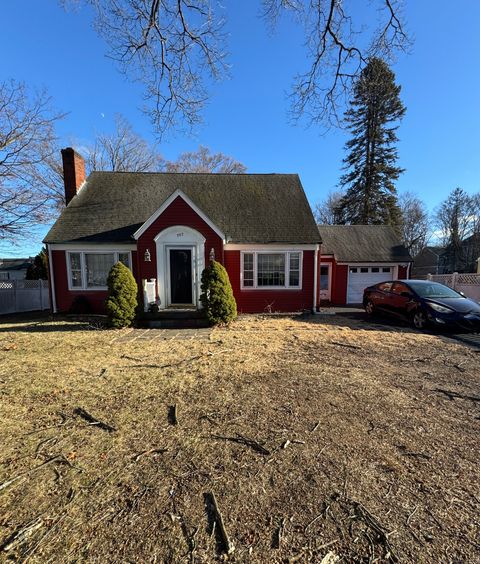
23,295
469,284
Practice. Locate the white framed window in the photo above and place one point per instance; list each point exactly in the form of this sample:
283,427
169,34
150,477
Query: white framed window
88,270
269,270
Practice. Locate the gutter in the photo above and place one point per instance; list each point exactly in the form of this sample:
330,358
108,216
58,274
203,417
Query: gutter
52,281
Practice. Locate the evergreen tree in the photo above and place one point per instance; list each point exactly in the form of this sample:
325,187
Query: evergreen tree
39,269
217,295
122,296
370,165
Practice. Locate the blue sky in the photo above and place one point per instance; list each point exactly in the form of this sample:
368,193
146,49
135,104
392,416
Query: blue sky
247,115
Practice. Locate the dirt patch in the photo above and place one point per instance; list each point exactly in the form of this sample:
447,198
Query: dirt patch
314,436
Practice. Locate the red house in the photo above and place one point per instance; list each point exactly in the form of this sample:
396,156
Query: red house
167,226
357,256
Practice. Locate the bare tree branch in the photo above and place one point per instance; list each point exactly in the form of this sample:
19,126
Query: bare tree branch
338,49
173,47
416,225
27,142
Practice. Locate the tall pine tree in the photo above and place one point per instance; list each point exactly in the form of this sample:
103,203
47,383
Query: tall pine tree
371,171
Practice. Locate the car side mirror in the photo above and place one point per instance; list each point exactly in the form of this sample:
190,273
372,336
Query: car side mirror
406,295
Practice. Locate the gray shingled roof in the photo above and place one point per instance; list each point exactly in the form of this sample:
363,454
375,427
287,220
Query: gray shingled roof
362,243
248,208
15,263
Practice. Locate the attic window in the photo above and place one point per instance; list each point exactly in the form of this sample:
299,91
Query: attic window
267,270
88,270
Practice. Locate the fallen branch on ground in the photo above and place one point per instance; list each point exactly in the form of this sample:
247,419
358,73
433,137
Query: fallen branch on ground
93,420
22,535
278,537
363,513
226,542
172,414
254,445
174,364
451,395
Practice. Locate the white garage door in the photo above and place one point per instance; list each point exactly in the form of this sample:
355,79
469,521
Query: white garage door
360,277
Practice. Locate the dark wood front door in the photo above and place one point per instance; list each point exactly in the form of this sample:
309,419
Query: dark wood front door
181,276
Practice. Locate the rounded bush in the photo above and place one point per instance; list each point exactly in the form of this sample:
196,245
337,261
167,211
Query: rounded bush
217,296
122,296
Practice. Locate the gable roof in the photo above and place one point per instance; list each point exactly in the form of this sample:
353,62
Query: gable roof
363,243
15,263
248,208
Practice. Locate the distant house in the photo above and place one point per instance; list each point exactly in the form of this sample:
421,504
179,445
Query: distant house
430,260
14,268
444,260
356,256
166,227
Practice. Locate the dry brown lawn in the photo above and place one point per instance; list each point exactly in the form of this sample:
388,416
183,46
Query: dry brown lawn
315,450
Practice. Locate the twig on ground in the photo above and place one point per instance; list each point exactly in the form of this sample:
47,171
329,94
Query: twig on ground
285,443
317,425
412,514
153,451
62,424
93,420
226,542
60,459
347,345
103,372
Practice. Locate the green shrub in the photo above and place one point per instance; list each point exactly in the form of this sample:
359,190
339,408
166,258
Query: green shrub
217,295
122,296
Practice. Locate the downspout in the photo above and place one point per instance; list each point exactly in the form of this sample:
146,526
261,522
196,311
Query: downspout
52,280
315,280
409,266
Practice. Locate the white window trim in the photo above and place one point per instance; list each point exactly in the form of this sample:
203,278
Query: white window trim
287,253
84,287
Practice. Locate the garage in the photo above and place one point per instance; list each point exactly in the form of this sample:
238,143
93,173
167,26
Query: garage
360,277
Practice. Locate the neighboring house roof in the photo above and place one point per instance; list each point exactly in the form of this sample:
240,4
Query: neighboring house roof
362,243
248,208
9,264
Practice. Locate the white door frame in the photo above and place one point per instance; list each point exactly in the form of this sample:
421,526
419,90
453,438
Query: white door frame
326,294
168,279
179,236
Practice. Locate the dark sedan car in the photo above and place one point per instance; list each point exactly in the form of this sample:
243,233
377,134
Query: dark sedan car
423,303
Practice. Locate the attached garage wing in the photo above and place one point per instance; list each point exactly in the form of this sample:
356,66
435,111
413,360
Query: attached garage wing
360,277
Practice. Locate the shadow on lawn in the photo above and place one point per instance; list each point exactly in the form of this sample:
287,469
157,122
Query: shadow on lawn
44,322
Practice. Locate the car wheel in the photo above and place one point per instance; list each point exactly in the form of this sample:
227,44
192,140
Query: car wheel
419,319
369,308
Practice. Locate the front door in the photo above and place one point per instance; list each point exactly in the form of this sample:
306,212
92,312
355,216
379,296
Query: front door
325,282
180,263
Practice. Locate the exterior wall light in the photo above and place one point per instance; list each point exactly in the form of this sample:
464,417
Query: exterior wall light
146,256
211,255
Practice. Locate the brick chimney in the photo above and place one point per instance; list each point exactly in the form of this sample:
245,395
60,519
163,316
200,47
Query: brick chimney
73,172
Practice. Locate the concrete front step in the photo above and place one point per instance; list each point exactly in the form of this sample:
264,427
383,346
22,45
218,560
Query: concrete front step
173,319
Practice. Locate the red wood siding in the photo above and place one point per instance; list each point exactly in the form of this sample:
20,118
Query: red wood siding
258,301
339,283
402,272
65,297
177,213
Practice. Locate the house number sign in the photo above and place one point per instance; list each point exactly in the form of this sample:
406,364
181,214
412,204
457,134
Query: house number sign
180,234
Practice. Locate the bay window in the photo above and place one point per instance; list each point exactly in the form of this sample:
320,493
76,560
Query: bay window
266,270
89,270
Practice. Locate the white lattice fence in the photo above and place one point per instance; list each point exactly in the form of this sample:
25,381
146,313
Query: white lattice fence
469,284
23,295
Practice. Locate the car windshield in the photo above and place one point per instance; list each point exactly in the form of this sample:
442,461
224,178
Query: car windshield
434,290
